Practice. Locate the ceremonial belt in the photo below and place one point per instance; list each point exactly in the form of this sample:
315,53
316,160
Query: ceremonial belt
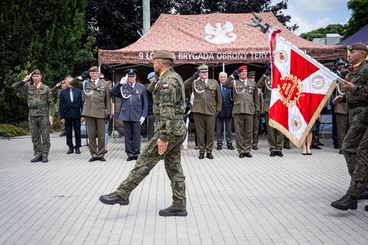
177,117
358,104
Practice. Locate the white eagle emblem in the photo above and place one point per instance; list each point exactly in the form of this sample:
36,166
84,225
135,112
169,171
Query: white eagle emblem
220,34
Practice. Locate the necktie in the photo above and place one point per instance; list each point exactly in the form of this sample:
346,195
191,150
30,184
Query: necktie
71,95
222,90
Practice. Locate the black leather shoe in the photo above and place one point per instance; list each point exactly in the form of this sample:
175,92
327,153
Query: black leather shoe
345,203
209,155
248,155
135,157
70,151
113,198
366,208
92,159
37,159
201,155
230,147
273,153
170,211
219,147
279,154
316,147
340,151
287,146
77,151
255,147
130,158
44,159
241,155
102,159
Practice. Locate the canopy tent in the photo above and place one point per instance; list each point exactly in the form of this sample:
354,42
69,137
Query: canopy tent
359,36
212,38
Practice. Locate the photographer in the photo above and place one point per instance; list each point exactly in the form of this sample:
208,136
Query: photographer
40,104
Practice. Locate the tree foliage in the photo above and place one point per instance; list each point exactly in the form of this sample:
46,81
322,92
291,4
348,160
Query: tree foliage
117,23
50,35
321,32
359,17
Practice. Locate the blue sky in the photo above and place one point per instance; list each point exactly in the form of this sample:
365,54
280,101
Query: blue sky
314,14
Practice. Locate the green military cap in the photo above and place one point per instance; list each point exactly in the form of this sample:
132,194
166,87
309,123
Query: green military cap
93,69
251,73
359,46
36,71
203,68
162,54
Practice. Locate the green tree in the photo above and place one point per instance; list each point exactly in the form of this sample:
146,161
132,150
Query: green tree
359,17
321,32
50,35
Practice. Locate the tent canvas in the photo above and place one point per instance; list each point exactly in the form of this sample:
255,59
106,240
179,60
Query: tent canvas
212,38
359,36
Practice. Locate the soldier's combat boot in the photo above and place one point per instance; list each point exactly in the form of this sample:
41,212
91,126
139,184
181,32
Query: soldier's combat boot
113,198
37,159
45,159
287,145
345,203
201,155
171,211
366,208
363,195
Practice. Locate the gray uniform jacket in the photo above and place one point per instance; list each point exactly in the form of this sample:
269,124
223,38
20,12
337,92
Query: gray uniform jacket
134,101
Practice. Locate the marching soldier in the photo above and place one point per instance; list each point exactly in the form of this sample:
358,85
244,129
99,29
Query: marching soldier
207,102
274,137
355,145
40,104
169,100
96,109
245,107
133,111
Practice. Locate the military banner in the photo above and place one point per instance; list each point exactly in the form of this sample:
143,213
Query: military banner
300,88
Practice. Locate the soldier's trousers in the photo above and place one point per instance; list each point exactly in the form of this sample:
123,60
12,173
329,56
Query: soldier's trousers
342,125
256,129
274,137
243,124
359,168
148,159
40,130
96,129
220,130
205,129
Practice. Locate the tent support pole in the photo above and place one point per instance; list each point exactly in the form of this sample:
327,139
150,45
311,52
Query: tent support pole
223,67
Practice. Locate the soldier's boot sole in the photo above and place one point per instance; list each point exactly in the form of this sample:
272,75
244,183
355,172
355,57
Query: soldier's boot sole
108,202
181,213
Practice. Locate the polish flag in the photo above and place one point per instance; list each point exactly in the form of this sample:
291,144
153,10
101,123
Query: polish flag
300,89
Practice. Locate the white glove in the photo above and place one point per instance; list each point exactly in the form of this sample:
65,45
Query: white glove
124,80
141,121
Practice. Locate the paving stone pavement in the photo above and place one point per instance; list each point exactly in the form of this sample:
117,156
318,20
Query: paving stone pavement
262,200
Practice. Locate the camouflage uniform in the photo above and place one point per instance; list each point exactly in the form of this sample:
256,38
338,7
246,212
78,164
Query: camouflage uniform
355,145
40,104
168,108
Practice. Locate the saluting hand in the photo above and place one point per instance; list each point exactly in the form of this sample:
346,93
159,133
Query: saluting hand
162,146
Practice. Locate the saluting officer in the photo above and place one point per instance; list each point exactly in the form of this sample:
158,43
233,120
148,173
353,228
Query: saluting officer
96,109
41,107
133,110
274,137
207,102
245,107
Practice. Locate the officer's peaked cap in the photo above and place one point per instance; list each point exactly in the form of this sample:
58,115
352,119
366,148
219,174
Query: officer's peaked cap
131,71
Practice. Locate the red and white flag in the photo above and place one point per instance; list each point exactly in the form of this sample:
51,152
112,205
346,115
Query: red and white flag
300,88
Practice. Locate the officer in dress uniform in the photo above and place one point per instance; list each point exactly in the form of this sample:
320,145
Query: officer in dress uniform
96,109
207,102
274,137
245,107
133,110
257,116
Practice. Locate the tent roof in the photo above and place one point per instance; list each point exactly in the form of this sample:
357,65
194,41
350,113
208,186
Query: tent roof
359,36
187,35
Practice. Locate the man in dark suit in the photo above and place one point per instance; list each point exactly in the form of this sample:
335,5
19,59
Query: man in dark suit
225,115
70,108
133,110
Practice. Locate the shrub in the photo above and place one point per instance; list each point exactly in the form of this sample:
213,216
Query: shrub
7,130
